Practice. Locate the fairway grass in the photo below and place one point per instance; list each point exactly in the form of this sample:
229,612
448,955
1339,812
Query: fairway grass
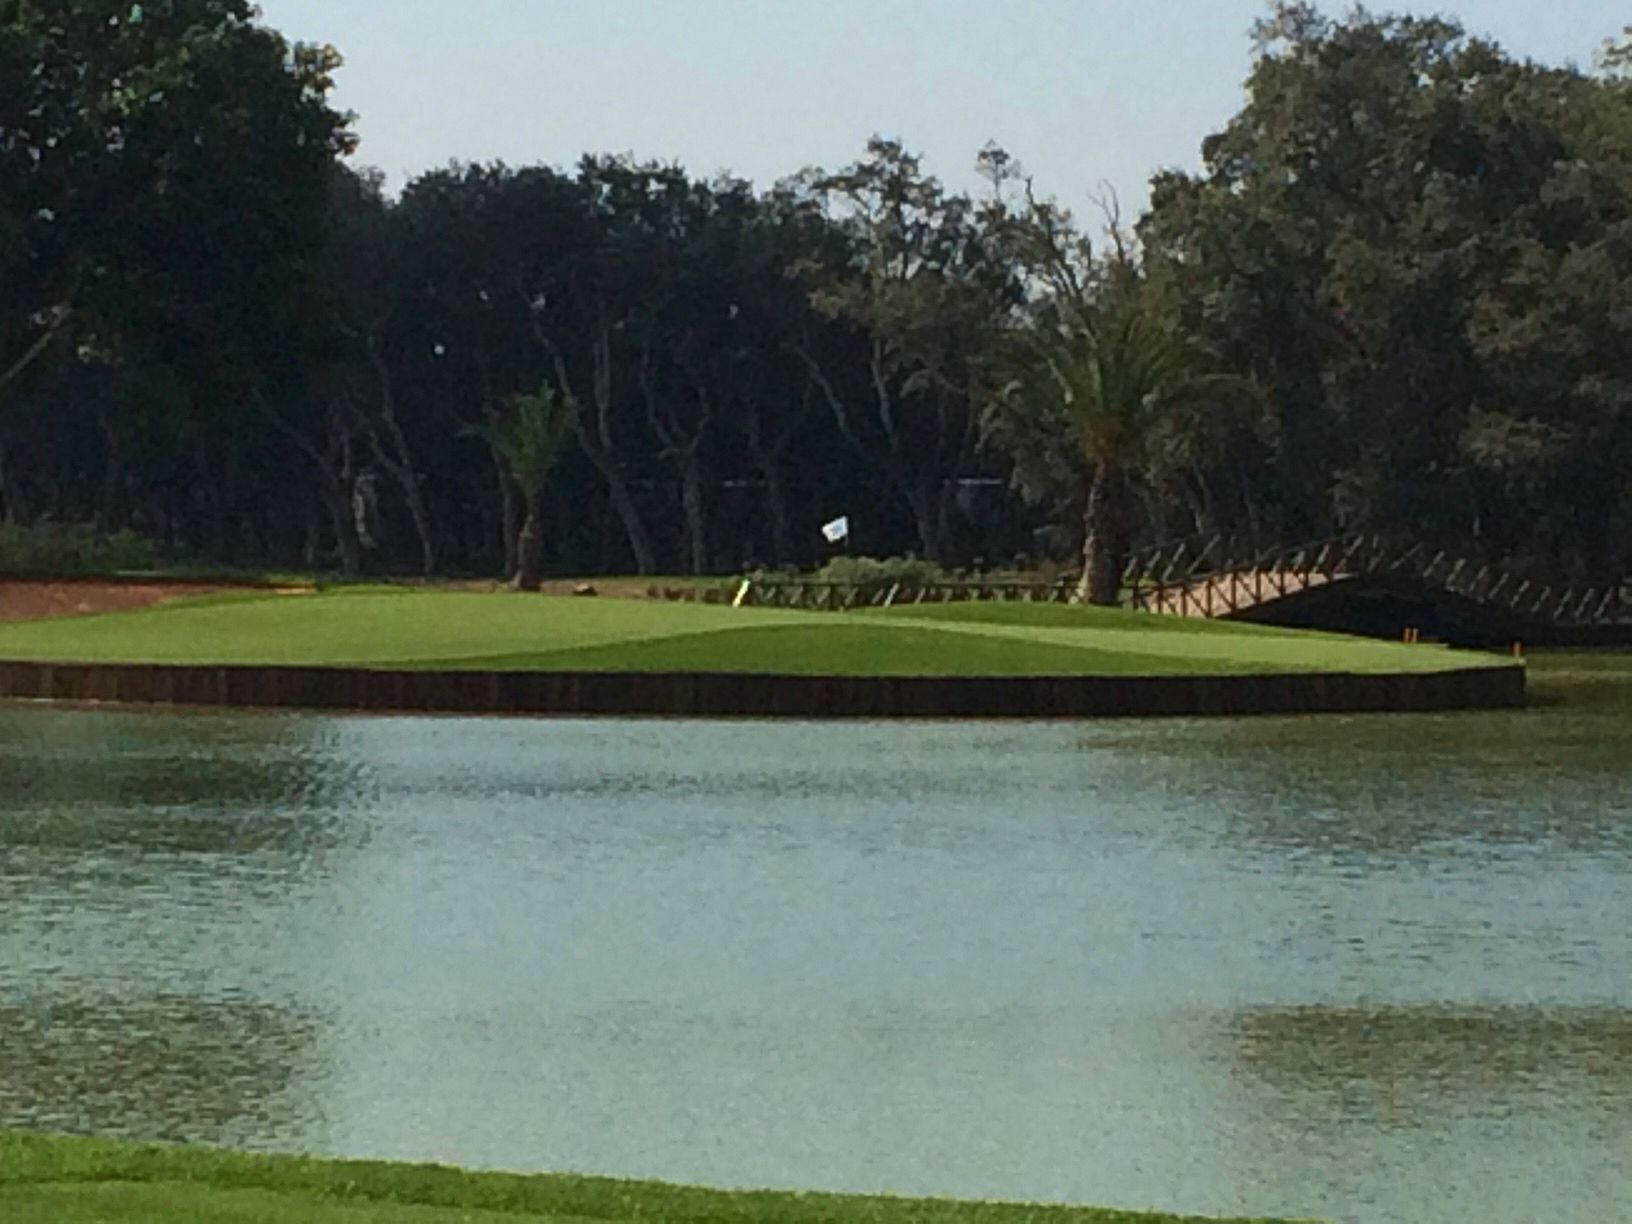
53,1180
449,630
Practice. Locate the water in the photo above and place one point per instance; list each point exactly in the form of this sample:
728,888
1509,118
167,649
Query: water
1357,968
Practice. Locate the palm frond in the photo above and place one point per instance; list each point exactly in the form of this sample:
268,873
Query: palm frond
528,437
1118,373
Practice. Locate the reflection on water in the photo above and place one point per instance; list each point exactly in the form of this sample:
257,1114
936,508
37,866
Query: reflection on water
175,1068
1368,968
1415,1066
166,784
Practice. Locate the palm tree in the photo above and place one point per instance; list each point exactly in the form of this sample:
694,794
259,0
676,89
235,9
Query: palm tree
528,438
1118,369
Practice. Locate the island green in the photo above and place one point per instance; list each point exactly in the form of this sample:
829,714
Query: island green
451,630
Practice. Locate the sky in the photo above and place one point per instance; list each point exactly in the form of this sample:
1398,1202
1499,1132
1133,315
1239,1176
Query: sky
1085,93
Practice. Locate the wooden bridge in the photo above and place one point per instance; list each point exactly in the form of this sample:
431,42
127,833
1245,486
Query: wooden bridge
1223,578
1320,584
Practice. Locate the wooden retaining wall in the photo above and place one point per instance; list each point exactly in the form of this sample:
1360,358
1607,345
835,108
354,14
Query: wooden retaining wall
716,694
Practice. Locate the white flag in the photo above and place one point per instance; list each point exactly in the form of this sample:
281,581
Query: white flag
838,529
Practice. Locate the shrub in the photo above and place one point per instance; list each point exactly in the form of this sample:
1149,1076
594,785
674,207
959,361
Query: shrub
880,573
50,549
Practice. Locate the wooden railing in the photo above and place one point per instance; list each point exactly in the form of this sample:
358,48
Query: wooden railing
1223,577
841,596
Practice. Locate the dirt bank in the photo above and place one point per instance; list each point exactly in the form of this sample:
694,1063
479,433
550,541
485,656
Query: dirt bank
35,599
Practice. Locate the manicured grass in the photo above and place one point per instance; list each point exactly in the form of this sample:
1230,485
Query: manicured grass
447,630
51,1180
1067,616
177,1203
849,648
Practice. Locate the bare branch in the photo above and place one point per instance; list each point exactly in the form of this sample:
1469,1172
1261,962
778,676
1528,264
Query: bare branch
59,317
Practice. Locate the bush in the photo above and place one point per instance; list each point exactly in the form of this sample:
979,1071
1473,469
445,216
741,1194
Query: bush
880,573
67,550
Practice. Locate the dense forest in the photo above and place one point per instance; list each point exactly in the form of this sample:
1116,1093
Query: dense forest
1397,298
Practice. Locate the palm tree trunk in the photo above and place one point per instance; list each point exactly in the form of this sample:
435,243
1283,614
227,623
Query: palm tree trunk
1105,548
530,550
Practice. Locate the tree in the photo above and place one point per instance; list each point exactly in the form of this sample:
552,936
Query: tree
528,439
924,296
220,288
1387,200
64,102
1110,370
109,114
1548,440
582,298
164,171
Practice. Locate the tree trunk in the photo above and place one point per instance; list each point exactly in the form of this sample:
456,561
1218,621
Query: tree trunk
343,520
311,546
776,503
333,464
1105,546
917,470
12,508
623,502
682,442
107,514
945,541
598,444
509,529
925,501
691,503
397,459
767,453
530,549
408,482
1255,518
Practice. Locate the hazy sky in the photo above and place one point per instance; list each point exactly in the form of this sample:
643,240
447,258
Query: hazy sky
1081,91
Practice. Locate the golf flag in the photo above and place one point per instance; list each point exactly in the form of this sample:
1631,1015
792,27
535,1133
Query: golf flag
838,529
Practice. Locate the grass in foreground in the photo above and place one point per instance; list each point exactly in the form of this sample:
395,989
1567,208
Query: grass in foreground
449,630
51,1180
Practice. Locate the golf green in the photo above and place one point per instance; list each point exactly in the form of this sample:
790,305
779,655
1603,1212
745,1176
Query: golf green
463,631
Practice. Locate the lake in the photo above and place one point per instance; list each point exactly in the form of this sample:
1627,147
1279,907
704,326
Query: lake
1363,968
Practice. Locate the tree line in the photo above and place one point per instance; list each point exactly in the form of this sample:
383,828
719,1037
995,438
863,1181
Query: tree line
1395,298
